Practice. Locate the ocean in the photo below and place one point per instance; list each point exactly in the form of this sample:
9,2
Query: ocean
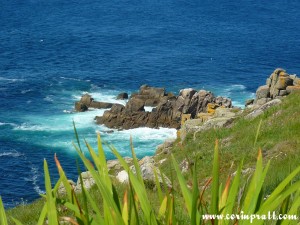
52,52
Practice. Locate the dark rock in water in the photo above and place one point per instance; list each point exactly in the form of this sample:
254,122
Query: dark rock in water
167,113
80,107
87,101
122,96
151,96
100,105
135,105
108,132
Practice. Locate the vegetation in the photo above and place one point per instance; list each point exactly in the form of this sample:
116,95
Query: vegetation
217,184
278,139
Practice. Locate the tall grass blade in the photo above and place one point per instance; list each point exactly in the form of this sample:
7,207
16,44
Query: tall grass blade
257,133
158,188
43,215
76,136
3,219
136,164
195,197
215,182
232,195
51,201
255,186
183,186
163,208
125,210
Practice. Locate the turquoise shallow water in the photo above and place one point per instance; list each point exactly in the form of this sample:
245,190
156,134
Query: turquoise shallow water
52,52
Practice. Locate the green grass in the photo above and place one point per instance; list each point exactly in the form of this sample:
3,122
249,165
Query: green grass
278,138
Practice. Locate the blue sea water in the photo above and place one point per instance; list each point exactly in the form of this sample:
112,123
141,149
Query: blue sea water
51,52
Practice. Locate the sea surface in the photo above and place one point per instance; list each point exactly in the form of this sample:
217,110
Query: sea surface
53,51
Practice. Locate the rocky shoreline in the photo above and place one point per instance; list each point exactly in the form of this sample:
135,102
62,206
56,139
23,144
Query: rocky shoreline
190,112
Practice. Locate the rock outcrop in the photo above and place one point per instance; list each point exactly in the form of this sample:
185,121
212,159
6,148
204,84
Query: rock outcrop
278,85
257,112
222,117
87,101
168,112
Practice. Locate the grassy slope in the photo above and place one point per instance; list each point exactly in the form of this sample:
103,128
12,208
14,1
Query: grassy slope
278,138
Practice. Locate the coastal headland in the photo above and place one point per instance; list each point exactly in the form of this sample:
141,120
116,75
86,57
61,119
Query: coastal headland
190,112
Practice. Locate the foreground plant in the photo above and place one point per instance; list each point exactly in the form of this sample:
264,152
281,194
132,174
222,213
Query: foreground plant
136,206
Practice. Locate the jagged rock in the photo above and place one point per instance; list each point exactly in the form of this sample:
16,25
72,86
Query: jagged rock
151,96
204,116
87,179
263,108
80,107
277,85
168,113
100,105
122,96
262,101
249,102
291,89
279,81
222,101
296,81
87,101
197,125
218,122
211,107
263,92
190,126
135,105
225,112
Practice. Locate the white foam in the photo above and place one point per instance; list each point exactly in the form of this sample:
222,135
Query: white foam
12,153
148,108
26,91
70,78
11,80
67,111
27,127
237,87
34,179
49,98
9,124
106,97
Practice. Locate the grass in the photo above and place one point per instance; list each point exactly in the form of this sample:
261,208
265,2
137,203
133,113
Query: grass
278,138
216,183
